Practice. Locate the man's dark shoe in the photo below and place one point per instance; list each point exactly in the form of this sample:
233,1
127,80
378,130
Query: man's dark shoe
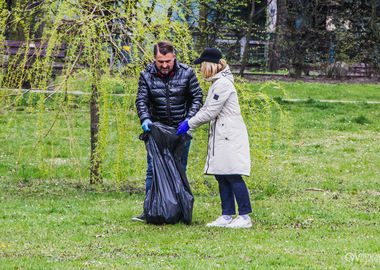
139,218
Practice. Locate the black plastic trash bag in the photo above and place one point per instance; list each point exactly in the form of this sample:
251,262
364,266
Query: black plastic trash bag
169,199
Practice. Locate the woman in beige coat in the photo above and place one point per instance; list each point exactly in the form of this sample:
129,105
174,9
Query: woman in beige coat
228,147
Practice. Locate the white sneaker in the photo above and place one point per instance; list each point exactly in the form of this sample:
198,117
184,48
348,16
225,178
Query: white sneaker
219,222
240,222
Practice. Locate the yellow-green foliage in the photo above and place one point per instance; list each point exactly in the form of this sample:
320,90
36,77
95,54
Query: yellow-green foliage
269,128
92,31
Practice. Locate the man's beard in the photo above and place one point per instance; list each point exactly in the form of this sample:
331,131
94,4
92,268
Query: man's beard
165,71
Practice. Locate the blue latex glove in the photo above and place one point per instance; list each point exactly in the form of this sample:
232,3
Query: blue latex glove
146,124
187,119
183,128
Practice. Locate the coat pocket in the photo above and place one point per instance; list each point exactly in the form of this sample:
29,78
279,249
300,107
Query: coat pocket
222,130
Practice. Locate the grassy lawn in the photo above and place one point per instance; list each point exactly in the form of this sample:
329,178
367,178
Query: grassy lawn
316,91
320,212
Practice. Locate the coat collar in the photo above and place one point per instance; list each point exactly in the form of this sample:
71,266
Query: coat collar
155,72
225,73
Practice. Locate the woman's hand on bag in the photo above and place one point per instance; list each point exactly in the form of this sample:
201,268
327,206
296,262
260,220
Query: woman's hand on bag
183,128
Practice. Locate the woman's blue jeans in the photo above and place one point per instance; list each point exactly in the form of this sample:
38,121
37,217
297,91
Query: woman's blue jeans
233,187
149,171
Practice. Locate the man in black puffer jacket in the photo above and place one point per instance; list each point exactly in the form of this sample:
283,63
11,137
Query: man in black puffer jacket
168,92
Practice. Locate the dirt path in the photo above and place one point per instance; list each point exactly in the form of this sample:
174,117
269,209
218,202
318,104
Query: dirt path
312,79
331,101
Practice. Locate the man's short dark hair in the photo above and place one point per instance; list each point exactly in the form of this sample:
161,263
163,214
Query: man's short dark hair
163,47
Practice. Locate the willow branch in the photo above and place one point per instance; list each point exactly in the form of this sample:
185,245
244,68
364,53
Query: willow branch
67,75
13,103
51,127
109,31
142,50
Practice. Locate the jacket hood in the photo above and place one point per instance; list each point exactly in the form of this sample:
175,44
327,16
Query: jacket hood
225,73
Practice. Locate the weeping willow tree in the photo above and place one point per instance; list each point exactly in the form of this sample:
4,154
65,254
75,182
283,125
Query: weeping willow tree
97,38
67,92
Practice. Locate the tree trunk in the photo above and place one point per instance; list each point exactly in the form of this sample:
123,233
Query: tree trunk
373,21
248,39
95,172
298,64
202,25
15,32
273,63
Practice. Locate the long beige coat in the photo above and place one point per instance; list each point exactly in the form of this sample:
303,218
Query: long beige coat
228,145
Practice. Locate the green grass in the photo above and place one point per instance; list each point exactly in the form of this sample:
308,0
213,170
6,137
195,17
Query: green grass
336,146
65,225
322,214
317,91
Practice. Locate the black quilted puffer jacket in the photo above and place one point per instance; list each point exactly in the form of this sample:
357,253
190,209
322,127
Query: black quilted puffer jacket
168,101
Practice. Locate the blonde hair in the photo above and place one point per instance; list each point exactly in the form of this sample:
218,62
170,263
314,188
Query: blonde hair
209,69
